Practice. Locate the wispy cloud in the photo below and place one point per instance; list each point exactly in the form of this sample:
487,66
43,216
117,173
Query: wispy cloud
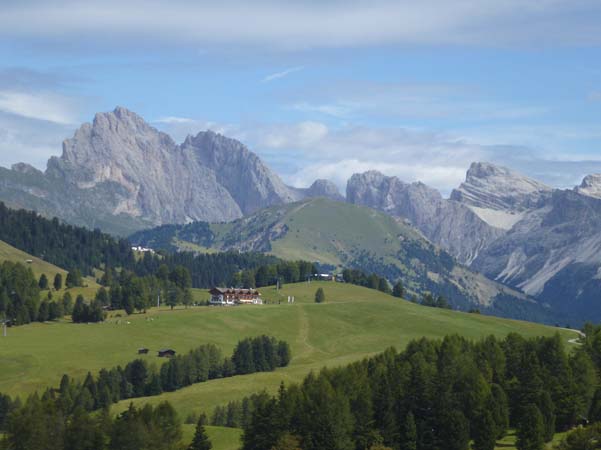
174,119
46,106
282,74
594,96
308,24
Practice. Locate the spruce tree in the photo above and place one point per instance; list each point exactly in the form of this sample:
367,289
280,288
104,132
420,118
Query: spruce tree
320,296
43,283
398,290
409,433
58,282
530,429
201,441
484,431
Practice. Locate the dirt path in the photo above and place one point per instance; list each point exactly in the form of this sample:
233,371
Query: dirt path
575,340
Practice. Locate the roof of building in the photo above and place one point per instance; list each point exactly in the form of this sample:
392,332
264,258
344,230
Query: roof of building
235,291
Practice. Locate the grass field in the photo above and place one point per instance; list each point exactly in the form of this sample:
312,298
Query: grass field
354,323
39,266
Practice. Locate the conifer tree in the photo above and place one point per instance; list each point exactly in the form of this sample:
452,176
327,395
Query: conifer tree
530,429
58,282
398,290
320,296
43,283
201,441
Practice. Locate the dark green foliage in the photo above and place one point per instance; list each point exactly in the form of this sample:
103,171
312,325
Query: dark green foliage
530,429
408,435
320,295
74,279
372,281
260,354
398,290
58,282
19,293
84,313
201,441
434,395
43,283
66,246
484,431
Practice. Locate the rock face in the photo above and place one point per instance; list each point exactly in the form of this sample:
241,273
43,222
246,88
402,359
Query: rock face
134,176
499,195
495,187
554,254
515,230
447,223
591,186
323,188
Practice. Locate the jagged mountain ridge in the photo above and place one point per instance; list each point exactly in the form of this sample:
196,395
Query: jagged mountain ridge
123,174
449,224
545,242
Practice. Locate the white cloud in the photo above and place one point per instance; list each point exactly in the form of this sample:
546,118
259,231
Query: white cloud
282,74
308,24
46,106
172,119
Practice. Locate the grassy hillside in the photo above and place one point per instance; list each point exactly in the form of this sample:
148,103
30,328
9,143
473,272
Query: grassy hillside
39,267
351,236
353,323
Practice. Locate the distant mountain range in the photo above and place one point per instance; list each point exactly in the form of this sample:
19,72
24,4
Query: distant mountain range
542,241
122,175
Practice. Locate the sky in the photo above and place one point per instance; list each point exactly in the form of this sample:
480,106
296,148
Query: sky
319,89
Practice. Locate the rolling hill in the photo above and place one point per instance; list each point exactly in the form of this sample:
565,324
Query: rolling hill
369,240
353,323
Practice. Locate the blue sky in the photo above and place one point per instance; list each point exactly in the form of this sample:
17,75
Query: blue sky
318,89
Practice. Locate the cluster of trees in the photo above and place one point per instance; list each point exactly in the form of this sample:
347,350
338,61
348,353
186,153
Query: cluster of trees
373,281
238,414
435,395
435,302
270,274
86,313
41,425
260,354
207,270
20,296
130,292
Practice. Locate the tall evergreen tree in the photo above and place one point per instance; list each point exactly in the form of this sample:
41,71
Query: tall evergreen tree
530,429
201,441
43,283
58,282
398,290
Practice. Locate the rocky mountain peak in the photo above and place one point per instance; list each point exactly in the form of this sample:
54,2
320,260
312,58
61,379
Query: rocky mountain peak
490,186
591,186
324,188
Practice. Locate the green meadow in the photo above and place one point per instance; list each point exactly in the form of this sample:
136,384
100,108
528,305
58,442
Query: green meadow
353,323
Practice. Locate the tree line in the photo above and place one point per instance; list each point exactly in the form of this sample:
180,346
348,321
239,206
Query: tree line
435,395
139,379
40,425
373,281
